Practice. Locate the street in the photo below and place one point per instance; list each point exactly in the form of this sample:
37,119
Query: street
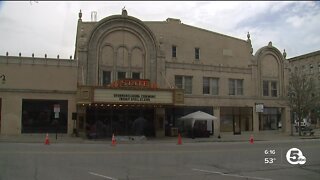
227,160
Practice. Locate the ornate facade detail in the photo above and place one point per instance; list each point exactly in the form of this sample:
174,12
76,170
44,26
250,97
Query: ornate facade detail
80,15
249,42
284,54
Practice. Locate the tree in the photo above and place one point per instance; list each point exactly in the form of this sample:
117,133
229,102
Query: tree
303,95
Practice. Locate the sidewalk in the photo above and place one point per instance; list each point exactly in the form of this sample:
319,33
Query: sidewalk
40,138
225,137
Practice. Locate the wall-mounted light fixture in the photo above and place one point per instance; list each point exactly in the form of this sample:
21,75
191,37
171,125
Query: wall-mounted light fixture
3,77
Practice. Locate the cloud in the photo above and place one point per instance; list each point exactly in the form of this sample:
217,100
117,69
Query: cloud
50,27
295,21
286,24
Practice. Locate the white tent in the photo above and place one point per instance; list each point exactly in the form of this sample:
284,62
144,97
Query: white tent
189,119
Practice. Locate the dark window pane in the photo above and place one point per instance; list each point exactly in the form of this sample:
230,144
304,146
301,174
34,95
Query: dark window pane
239,87
106,78
121,75
274,89
265,88
178,82
232,88
135,75
174,51
206,86
40,116
215,86
197,53
188,84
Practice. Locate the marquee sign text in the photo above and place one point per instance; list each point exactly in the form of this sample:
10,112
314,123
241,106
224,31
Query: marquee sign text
134,97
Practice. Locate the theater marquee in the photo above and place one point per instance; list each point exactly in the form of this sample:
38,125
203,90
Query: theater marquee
133,96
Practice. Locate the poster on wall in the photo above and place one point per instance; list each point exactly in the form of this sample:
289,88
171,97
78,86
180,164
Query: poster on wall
259,108
56,108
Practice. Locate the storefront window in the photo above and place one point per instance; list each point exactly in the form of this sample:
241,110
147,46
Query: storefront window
173,114
270,119
102,122
44,116
226,124
236,119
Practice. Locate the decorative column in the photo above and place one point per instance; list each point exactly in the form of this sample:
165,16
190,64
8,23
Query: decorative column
130,63
114,68
216,123
159,122
255,116
285,120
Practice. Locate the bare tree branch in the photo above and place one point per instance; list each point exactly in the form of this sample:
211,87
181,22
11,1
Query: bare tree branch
303,95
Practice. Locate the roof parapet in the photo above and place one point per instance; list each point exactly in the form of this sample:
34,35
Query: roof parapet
173,20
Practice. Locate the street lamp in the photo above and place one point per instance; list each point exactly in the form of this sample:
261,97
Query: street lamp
3,77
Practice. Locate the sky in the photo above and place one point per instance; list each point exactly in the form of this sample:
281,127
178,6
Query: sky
44,27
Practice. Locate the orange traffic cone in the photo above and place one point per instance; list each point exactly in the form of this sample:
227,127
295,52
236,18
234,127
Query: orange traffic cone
179,139
114,142
251,139
47,142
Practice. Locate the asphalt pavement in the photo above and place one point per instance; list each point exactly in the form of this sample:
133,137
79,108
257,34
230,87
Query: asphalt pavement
262,160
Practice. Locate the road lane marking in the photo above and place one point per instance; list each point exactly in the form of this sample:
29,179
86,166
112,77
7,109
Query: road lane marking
233,175
106,177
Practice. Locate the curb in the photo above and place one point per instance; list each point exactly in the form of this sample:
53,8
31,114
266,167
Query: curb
77,140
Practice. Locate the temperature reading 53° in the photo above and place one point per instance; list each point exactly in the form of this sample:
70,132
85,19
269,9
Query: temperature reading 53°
270,160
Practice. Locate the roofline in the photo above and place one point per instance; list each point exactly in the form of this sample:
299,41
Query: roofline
121,17
89,22
199,29
305,56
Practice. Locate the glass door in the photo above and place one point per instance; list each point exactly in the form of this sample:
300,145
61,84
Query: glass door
236,125
236,120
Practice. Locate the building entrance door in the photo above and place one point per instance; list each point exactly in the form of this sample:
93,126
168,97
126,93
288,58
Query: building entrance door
236,125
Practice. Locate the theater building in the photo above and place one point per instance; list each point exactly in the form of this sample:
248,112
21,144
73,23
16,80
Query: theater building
127,72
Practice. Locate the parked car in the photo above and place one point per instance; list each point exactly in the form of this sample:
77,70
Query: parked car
305,123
